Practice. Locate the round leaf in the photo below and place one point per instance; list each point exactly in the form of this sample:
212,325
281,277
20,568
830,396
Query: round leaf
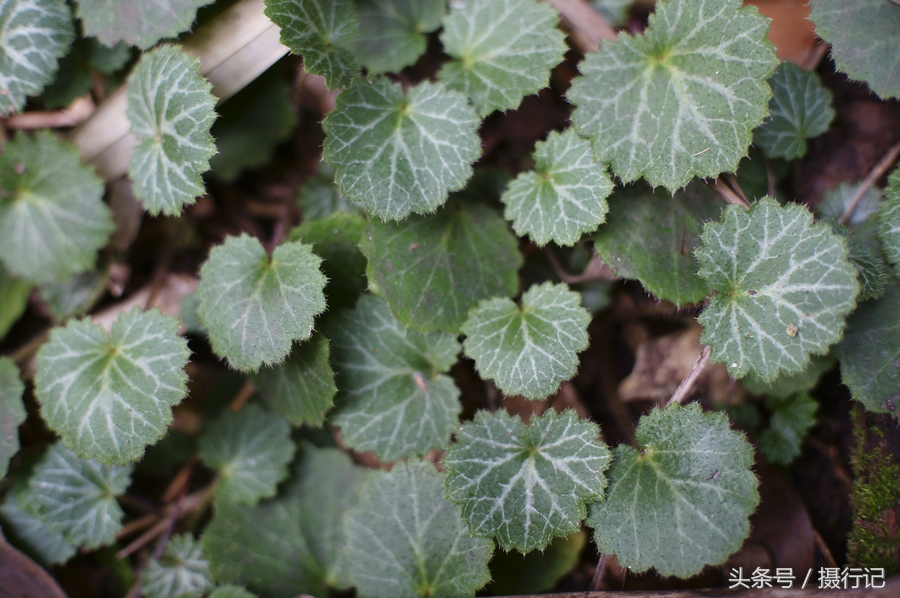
392,32
183,571
139,23
27,531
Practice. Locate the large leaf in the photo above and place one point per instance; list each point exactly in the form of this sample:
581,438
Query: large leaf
34,34
651,236
324,32
889,221
182,572
109,394
139,23
30,533
405,540
77,497
783,287
433,269
255,305
681,501
401,154
393,398
14,293
503,50
864,36
789,421
12,412
564,196
523,484
52,216
170,108
392,32
682,100
528,350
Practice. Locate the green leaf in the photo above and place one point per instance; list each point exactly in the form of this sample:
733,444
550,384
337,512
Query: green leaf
523,484
139,23
30,533
392,32
401,154
433,269
503,50
110,394
250,449
535,572
75,76
52,216
836,201
614,11
76,296
651,236
302,388
14,294
170,108
324,32
564,196
873,272
12,412
889,221
34,35
292,544
393,398
406,540
681,501
528,350
77,497
800,109
864,36
869,353
254,305
231,591
782,284
786,385
320,196
182,572
790,420
682,100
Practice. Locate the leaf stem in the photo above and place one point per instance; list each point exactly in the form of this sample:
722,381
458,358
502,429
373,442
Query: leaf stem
688,383
883,165
725,192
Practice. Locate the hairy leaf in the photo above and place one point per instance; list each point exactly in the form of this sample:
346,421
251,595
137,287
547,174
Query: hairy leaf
790,420
401,154
528,350
12,412
30,533
392,32
522,484
139,23
786,385
538,571
321,196
889,221
870,266
683,500
182,572
682,100
14,293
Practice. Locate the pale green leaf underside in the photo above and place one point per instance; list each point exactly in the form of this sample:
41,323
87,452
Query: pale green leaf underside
682,101
405,540
110,394
614,11
392,396
34,35
14,294
864,37
564,196
783,288
528,350
790,420
503,50
77,497
889,221
12,412
170,108
255,306
52,216
28,532
651,236
182,572
250,449
392,32
398,155
433,269
522,484
836,201
682,501
324,32
139,23
800,109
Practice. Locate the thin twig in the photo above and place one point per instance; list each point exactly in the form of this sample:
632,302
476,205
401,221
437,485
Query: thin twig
727,193
599,571
882,167
242,396
688,383
191,503
735,186
772,184
595,271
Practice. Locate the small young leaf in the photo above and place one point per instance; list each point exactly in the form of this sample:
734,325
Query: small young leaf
398,155
889,221
30,533
528,350
324,32
864,37
783,288
230,591
250,450
503,50
170,109
800,109
681,101
538,571
34,35
651,236
789,422
77,497
522,484
405,540
52,216
614,11
789,384
321,196
12,412
302,388
392,396
255,306
182,572
75,76
683,500
392,32
564,196
110,394
14,294
433,269
873,272
76,296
